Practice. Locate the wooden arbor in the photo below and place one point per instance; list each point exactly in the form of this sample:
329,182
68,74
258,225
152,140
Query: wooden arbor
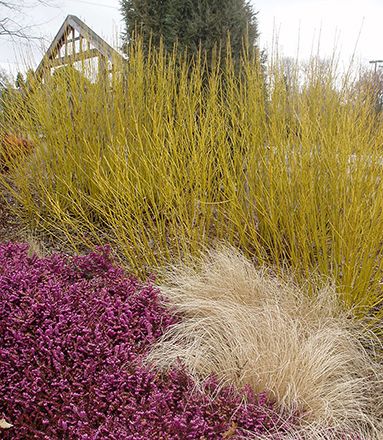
76,42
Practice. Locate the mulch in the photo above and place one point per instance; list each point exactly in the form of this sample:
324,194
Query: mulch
11,228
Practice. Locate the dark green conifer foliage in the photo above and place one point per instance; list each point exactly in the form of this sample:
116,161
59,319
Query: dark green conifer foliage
191,23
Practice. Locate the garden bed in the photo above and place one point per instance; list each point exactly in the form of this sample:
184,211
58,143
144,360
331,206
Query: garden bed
74,332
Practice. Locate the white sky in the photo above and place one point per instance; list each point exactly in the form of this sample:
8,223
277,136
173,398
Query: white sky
337,23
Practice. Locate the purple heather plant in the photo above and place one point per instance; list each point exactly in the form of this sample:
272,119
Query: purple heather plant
73,332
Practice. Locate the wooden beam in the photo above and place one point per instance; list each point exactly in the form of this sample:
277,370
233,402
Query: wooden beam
66,43
73,42
70,59
91,36
81,52
102,65
76,39
56,44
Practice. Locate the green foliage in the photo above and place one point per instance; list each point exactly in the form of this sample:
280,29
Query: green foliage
191,24
20,81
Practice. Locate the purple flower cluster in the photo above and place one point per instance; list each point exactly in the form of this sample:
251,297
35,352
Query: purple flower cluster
73,332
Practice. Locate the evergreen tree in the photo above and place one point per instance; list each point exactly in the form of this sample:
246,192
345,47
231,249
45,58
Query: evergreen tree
191,23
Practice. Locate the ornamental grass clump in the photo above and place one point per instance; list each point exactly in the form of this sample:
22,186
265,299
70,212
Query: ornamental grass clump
248,326
73,331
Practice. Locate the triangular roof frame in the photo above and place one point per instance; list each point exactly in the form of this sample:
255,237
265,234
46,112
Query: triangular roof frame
72,24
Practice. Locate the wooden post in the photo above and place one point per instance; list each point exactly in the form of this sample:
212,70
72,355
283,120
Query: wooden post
81,54
66,45
102,69
73,42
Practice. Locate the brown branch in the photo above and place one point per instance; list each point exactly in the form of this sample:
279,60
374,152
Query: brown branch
10,25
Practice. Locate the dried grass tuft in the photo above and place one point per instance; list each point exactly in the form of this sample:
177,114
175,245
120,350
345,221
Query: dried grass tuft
249,327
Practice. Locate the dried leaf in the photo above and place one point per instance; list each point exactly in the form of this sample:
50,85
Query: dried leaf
231,431
4,424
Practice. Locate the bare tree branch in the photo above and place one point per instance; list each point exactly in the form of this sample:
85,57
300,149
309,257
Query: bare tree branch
12,25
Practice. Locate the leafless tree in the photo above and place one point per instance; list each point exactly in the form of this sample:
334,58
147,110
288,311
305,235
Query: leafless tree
4,80
12,18
369,85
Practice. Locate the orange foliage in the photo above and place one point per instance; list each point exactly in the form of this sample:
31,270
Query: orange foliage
13,147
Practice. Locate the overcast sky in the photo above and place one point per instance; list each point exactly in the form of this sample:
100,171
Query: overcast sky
297,25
